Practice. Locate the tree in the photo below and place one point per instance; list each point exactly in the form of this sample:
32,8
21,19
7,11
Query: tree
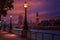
57,22
51,22
5,5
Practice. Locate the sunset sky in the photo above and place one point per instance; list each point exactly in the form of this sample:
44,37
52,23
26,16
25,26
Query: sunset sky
47,9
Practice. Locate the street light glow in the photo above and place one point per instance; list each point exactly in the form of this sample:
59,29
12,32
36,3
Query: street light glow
5,8
10,16
25,5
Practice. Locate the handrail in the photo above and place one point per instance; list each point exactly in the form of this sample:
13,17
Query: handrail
41,33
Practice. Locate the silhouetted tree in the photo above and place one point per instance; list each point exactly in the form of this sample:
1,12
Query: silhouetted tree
51,22
57,22
44,23
5,5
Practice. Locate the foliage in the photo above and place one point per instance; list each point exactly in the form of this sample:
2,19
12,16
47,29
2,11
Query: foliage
5,5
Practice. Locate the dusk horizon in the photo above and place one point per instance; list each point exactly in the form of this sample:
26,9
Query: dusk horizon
47,9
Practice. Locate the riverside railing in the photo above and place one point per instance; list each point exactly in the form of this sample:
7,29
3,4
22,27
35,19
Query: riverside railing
40,34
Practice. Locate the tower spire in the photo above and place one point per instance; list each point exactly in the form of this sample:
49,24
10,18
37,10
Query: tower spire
37,18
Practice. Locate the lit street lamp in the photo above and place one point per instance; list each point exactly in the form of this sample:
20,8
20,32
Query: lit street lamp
25,28
25,20
10,27
25,5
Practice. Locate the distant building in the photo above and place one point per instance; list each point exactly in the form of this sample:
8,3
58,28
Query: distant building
20,20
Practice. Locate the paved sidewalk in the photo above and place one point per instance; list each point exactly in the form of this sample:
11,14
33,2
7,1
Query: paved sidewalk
8,36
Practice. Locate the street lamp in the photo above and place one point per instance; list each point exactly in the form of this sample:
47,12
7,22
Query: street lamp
25,28
25,5
0,25
4,28
25,20
10,27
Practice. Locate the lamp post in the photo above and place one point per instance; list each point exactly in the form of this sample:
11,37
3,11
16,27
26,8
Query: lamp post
25,28
0,25
4,28
25,20
10,27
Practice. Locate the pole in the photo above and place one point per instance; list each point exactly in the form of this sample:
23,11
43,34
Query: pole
25,28
4,28
0,21
10,28
25,20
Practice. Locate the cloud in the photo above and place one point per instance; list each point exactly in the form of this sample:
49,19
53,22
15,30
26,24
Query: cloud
46,9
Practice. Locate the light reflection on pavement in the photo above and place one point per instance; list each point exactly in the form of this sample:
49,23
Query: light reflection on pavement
9,36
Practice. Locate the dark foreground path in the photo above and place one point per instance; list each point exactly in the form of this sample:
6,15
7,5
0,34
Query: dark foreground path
8,36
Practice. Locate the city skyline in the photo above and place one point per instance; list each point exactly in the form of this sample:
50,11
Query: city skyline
47,9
